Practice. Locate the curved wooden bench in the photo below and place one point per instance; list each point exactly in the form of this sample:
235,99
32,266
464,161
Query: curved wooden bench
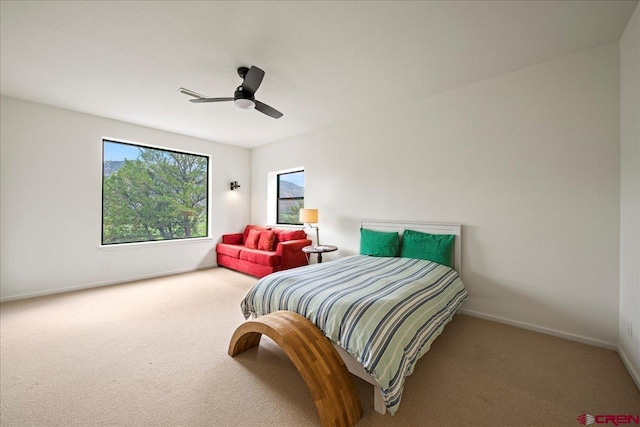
313,355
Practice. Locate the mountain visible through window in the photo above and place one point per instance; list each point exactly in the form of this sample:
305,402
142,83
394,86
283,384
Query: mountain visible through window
290,197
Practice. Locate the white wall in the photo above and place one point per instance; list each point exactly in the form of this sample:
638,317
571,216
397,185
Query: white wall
51,201
528,162
630,194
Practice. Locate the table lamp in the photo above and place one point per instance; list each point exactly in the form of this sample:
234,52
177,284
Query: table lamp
310,216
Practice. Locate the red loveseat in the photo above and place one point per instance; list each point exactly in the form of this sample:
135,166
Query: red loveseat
259,251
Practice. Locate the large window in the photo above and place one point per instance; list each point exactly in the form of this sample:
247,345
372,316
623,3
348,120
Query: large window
150,194
290,197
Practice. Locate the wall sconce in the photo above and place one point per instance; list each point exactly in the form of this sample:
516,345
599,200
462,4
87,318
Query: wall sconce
234,185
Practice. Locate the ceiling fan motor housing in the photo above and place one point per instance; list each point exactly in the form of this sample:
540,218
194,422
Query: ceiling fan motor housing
242,72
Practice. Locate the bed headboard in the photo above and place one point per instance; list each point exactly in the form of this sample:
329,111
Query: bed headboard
425,227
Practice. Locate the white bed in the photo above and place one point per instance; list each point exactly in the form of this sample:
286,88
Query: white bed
352,364
426,227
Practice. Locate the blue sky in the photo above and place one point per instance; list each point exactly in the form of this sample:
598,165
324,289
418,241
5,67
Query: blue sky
296,178
118,151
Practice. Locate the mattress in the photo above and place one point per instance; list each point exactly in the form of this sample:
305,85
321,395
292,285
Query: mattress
384,311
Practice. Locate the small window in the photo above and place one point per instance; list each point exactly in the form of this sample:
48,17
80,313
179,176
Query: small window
151,194
290,197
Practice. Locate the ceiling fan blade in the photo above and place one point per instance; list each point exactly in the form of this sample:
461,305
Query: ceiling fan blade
253,79
269,111
199,100
191,93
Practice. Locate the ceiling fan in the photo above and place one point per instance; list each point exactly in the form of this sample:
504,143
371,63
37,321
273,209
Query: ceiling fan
244,96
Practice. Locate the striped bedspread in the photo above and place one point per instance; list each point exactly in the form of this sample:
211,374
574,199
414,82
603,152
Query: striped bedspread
383,311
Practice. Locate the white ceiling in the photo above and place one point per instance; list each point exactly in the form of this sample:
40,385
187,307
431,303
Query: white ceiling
323,60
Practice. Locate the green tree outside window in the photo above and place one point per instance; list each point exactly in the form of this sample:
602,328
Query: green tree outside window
150,194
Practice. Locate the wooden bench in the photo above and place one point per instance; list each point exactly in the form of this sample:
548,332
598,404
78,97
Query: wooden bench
313,355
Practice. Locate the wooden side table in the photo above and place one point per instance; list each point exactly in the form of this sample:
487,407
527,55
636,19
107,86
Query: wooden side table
318,249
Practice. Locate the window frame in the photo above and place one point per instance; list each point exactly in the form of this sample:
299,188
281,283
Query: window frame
174,240
278,198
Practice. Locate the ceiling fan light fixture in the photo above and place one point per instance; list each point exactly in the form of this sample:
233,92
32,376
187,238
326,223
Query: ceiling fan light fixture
245,104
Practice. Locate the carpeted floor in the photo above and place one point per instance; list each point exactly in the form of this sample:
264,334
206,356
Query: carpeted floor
154,353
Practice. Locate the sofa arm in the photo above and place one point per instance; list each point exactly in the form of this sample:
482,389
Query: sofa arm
291,253
232,239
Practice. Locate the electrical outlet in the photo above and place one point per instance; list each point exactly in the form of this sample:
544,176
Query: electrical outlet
102,266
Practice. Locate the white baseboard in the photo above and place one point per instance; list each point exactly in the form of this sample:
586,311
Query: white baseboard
629,366
106,283
542,330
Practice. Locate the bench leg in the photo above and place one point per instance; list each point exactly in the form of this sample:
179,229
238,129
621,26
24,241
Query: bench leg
324,372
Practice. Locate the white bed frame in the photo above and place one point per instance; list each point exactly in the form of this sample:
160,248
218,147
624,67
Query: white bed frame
426,227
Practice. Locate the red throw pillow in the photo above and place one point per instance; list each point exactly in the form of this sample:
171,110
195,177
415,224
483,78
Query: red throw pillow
248,228
252,239
267,240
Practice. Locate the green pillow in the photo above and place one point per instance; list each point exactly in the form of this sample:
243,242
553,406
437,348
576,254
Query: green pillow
432,247
379,243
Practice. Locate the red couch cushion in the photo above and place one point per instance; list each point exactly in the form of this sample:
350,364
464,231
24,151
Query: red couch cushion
285,236
229,250
260,257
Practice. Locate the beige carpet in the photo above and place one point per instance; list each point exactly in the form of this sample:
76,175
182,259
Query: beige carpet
154,353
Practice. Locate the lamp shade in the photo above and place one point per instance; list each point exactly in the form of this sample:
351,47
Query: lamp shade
309,216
